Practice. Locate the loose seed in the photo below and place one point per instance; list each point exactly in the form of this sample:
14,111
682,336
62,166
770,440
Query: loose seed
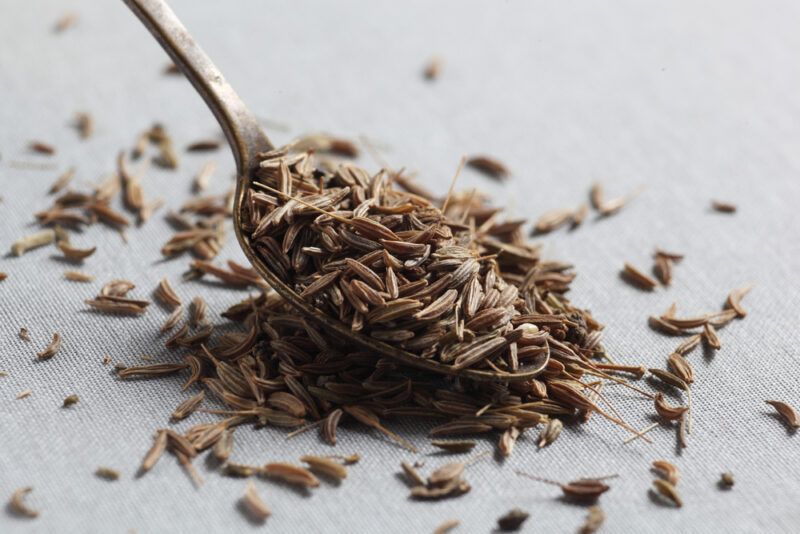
18,505
667,490
253,504
70,401
788,413
513,520
107,473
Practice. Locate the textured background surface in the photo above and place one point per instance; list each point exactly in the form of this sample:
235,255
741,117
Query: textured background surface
694,100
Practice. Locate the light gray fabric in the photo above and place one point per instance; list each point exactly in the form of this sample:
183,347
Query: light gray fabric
692,100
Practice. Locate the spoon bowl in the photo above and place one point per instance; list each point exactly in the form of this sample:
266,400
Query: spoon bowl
247,140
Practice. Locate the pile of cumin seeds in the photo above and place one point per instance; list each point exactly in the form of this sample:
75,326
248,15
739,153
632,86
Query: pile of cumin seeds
459,286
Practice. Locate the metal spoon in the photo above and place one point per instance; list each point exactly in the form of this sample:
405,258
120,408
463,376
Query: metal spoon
247,140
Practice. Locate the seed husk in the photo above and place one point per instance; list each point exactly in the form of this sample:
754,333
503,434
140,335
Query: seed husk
668,491
18,506
667,470
255,507
24,394
292,474
75,276
24,335
788,413
325,466
447,526
107,473
594,520
512,520
550,432
454,446
32,241
51,350
638,278
723,207
70,401
489,166
726,480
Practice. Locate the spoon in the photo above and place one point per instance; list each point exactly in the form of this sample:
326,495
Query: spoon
247,140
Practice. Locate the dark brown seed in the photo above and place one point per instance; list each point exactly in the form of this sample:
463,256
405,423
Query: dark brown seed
667,470
187,407
203,145
330,425
42,148
70,400
665,410
489,167
638,278
76,254
513,520
726,480
107,473
460,446
723,207
433,69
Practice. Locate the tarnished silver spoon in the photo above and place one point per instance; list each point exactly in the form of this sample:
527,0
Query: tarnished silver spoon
247,140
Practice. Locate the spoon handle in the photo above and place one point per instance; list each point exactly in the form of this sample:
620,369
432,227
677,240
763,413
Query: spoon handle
240,126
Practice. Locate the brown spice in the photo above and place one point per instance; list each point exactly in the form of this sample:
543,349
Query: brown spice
459,446
29,242
18,506
512,520
550,432
51,350
726,480
788,413
667,470
107,473
252,503
447,526
325,466
638,278
70,400
723,207
433,69
489,166
594,520
75,276
668,491
62,181
42,148
291,474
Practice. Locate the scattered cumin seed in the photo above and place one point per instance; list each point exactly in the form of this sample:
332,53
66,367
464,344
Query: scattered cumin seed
18,506
66,21
446,526
240,470
171,69
668,491
155,452
107,473
35,240
667,411
224,447
489,167
3,276
51,350
42,148
581,490
723,207
187,407
735,298
70,401
788,413
638,278
62,181
84,124
413,477
512,520
203,145
550,432
291,474
24,394
253,504
456,446
667,470
726,480
203,177
433,69
594,520
325,466
76,254
75,276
